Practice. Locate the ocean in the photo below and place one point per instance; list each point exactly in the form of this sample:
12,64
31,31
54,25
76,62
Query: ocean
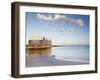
72,52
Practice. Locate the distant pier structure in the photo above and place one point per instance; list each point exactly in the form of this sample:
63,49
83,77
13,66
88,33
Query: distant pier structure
39,43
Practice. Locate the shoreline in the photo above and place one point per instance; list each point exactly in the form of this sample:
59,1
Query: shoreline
67,45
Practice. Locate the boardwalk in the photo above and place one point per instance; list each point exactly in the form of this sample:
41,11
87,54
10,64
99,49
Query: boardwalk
33,61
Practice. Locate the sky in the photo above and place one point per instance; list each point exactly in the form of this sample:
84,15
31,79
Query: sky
62,29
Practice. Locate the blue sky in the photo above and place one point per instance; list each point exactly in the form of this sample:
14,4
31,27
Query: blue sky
68,29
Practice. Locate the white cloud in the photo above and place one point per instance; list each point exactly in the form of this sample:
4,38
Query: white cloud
59,17
64,18
44,17
79,22
65,30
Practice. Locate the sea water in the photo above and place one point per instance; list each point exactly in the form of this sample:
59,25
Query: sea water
72,52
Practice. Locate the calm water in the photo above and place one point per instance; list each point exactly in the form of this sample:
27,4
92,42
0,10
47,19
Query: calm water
65,55
80,53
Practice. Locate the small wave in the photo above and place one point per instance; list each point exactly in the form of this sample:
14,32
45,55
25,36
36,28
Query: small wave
73,60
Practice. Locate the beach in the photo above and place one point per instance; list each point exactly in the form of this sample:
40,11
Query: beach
34,61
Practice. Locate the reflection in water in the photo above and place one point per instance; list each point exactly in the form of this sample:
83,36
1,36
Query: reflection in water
67,55
38,52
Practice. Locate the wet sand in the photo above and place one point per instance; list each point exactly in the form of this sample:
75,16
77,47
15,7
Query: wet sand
36,61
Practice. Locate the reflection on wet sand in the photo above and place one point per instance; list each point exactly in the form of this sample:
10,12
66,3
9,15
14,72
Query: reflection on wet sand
39,52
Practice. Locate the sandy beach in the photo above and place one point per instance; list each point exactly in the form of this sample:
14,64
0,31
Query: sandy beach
36,61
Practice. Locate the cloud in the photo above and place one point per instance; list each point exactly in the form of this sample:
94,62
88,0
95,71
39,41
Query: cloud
78,22
65,30
59,17
44,17
64,18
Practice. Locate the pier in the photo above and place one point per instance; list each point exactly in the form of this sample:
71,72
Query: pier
39,44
